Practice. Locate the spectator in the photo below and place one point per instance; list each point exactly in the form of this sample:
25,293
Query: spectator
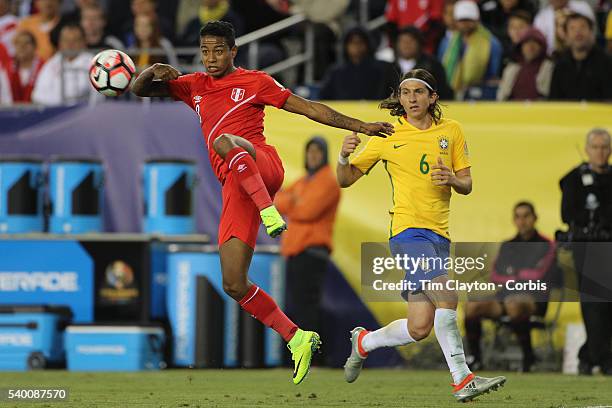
527,256
64,78
146,8
519,23
426,15
148,37
93,21
25,67
529,78
473,54
583,71
360,76
75,15
257,14
449,24
409,55
5,87
41,24
310,205
547,18
209,10
8,25
586,207
496,14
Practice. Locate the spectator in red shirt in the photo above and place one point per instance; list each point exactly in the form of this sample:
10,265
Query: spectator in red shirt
5,91
426,15
24,68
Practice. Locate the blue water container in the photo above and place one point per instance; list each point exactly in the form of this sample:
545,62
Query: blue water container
187,264
31,337
21,188
168,192
76,195
114,348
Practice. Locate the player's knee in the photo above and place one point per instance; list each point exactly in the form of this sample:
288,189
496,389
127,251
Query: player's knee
223,144
419,332
236,290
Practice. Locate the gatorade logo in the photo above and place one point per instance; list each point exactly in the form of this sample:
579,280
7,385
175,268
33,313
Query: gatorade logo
39,281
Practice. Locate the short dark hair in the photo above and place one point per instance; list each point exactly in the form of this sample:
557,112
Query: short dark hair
523,15
72,26
414,32
577,16
220,29
28,34
393,103
527,204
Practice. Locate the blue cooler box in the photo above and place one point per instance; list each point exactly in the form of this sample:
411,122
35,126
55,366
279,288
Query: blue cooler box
114,348
31,337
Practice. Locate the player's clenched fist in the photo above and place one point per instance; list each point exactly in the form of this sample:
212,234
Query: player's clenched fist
165,72
350,144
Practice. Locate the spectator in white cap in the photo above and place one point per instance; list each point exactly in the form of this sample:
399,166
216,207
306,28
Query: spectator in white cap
546,19
472,55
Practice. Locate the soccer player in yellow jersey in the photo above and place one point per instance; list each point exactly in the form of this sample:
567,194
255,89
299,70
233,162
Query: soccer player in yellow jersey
425,158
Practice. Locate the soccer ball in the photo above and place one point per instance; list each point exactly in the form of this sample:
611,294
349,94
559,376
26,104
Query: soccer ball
112,72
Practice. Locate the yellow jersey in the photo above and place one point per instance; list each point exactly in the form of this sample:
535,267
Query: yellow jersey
408,157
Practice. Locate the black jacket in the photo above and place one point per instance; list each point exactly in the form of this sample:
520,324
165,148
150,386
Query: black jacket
589,79
586,196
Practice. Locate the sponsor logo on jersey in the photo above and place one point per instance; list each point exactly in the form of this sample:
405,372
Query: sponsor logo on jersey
241,167
237,94
197,98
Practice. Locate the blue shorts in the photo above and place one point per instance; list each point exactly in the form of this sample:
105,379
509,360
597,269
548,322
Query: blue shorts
425,252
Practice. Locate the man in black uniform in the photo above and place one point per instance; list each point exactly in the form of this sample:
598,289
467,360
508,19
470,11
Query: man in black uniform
587,209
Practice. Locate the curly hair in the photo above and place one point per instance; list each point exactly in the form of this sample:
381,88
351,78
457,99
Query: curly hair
393,103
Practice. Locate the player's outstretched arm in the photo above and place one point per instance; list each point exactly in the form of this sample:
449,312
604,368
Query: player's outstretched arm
324,114
346,173
153,80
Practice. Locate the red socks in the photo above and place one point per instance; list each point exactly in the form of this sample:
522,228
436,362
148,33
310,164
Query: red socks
242,165
262,307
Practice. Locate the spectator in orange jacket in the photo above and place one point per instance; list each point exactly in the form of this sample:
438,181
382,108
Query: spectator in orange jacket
309,204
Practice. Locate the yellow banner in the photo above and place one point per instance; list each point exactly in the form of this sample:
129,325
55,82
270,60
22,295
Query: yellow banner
519,151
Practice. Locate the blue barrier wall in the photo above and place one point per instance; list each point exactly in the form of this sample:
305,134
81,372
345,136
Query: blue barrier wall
123,135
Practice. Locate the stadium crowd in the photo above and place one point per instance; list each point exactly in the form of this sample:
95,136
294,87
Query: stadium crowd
492,49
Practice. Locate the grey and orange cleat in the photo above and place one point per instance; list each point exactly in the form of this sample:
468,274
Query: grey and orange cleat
354,363
473,386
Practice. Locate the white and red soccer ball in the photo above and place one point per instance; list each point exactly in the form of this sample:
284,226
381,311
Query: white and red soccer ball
111,72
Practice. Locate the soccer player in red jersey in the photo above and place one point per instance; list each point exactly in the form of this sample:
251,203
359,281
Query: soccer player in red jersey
230,104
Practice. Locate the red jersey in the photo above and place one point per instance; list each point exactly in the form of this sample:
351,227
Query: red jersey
233,104
414,12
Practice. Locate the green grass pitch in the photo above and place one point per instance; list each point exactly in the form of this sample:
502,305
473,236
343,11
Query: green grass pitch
322,388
